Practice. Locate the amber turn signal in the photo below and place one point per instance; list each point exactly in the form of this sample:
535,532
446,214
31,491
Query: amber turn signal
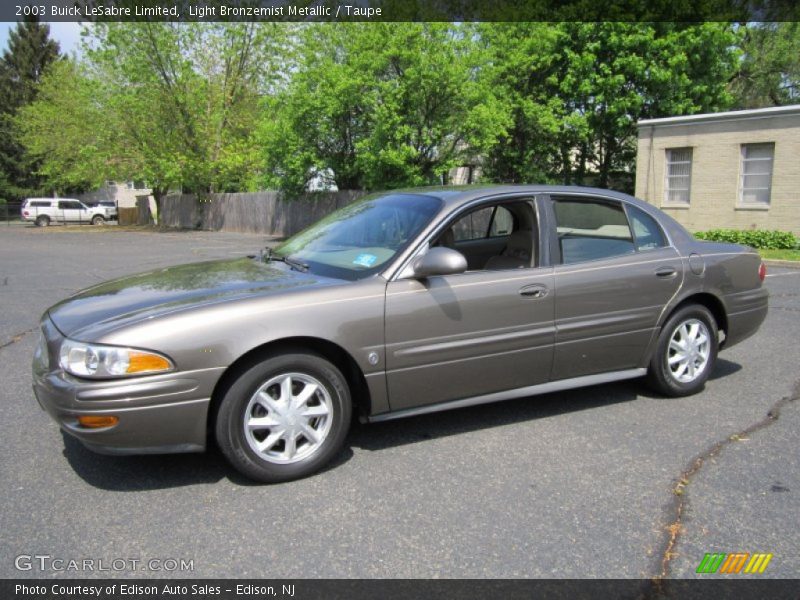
140,362
97,421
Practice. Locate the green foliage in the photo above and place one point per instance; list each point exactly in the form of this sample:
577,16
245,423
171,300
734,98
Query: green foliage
755,238
576,90
78,157
30,51
238,106
769,73
173,104
793,255
376,105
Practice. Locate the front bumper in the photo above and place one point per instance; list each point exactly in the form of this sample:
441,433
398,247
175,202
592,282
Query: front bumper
157,414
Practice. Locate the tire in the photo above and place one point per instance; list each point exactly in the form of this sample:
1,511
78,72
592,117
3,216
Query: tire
98,220
42,221
259,396
682,362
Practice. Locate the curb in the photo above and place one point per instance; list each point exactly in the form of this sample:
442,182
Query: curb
792,264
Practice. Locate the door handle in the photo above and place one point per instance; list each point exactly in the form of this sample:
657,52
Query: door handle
533,291
666,272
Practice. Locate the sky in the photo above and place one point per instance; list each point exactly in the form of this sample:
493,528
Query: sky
68,35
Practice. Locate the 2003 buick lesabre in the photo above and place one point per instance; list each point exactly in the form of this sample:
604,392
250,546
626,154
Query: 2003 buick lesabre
400,304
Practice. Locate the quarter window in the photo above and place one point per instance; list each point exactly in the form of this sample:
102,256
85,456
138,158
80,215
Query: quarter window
755,183
646,231
679,176
591,230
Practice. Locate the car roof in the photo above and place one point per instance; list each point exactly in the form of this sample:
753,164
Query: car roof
454,196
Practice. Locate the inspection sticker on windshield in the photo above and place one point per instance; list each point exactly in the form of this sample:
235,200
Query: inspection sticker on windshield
365,260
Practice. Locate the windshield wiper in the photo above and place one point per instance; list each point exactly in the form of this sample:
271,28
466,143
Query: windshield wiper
267,255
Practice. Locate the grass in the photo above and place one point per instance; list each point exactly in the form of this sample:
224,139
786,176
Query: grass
780,254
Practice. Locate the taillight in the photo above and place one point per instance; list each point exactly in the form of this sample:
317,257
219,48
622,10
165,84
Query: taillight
762,271
25,213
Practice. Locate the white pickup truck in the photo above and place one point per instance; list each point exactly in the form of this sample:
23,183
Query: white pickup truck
43,211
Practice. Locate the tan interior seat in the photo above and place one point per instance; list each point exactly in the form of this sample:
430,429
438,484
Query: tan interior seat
516,255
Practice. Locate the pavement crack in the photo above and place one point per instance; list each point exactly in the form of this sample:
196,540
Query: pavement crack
680,501
16,338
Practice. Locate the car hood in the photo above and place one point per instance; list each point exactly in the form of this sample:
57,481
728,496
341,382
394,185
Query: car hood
148,295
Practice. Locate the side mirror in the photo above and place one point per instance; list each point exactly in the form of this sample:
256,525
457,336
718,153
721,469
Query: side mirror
439,261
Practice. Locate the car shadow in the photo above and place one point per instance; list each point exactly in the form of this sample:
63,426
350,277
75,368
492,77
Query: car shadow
379,436
723,368
153,472
162,471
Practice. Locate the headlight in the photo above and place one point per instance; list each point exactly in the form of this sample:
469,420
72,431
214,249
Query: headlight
102,362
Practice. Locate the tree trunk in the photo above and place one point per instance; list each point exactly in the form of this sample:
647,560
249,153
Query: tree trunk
566,165
605,165
158,196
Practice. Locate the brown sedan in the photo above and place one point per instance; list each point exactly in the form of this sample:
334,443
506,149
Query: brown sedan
400,304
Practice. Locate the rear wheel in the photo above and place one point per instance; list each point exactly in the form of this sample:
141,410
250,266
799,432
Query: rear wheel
686,352
98,220
42,221
284,418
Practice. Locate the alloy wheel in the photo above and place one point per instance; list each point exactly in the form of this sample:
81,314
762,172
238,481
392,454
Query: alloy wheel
689,350
288,418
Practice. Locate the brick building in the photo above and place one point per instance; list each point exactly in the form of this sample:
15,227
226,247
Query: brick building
738,170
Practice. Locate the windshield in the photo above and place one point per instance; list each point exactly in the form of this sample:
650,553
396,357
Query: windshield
359,239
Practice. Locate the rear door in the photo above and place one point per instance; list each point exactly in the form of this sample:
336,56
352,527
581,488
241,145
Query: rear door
617,272
479,332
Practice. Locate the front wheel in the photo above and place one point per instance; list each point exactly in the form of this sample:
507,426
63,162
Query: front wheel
284,418
686,352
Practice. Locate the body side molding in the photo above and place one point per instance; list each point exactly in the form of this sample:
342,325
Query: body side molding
533,390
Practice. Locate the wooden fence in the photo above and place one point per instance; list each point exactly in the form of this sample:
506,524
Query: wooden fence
259,212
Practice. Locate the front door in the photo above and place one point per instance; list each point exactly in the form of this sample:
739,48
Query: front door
482,331
70,211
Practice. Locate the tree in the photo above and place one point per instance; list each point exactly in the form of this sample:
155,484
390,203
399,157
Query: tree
769,73
30,51
173,104
81,155
380,105
521,63
578,89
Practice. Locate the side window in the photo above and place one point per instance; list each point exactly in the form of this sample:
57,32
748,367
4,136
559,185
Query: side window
647,232
502,223
62,205
486,222
591,229
474,225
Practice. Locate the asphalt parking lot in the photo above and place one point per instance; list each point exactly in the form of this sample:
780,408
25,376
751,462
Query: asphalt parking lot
599,482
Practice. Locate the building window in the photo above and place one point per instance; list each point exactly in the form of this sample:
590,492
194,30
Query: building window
755,182
679,176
